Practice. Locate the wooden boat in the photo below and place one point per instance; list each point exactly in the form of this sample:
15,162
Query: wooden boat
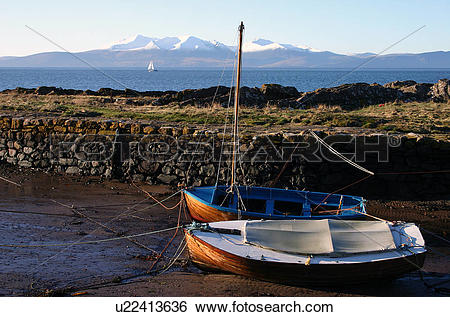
215,203
308,252
208,204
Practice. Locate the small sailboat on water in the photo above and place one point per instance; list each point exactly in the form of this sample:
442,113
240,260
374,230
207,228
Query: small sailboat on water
308,252
151,67
229,202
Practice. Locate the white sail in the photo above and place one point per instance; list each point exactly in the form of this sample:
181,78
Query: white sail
151,67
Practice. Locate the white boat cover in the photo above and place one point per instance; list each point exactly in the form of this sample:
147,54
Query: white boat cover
327,236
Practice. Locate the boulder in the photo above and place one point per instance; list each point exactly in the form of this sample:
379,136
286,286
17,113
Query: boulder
277,92
400,84
44,90
440,91
412,90
350,96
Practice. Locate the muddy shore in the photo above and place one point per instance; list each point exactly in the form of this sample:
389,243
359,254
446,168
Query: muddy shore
41,211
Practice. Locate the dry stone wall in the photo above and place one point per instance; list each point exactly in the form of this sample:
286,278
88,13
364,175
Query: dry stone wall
172,155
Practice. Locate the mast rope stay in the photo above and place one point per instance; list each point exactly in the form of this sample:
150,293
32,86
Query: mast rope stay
342,157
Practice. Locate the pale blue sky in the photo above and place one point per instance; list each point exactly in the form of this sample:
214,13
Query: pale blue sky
344,26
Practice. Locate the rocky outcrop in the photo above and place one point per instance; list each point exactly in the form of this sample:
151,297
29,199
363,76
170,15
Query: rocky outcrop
411,90
277,92
440,91
249,96
350,96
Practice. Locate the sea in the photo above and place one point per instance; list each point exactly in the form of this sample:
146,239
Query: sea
179,79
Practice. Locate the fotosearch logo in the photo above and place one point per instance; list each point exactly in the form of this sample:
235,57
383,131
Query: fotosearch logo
210,149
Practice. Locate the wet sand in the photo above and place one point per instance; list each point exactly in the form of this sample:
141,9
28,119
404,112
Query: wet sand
39,212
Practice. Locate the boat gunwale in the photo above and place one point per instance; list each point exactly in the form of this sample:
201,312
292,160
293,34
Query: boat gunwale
352,215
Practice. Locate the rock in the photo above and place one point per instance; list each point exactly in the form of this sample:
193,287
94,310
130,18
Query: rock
440,91
167,179
138,177
44,90
275,91
109,92
350,96
400,84
25,163
167,169
207,170
73,170
412,90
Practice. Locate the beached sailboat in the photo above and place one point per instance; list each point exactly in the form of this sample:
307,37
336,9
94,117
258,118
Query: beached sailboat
151,67
308,252
217,203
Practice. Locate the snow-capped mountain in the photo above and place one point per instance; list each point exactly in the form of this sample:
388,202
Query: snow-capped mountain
192,43
265,45
185,42
137,41
194,52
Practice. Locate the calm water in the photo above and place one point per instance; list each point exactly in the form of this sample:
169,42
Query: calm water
303,80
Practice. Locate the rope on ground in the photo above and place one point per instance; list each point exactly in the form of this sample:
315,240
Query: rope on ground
74,210
156,200
87,242
176,256
170,241
435,235
10,181
151,206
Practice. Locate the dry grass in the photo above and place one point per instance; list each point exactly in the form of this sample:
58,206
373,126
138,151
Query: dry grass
425,118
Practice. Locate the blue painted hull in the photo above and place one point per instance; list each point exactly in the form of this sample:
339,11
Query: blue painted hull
208,204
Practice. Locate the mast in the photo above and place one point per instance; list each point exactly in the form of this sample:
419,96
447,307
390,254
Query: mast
236,109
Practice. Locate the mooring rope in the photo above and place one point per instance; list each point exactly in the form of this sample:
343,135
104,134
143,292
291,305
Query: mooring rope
10,181
156,200
170,241
87,242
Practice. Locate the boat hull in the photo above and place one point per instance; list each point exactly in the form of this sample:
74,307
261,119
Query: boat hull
209,257
204,212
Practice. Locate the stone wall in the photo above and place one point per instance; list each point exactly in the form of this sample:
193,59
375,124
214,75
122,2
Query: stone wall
173,155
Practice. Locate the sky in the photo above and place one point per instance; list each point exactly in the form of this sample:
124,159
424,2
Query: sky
341,26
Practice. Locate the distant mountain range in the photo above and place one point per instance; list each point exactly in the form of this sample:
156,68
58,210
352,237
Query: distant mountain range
191,51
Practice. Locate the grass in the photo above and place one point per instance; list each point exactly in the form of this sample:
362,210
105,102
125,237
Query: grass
426,118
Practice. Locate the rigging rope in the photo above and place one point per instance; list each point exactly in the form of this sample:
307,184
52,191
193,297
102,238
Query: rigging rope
226,123
330,148
206,120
